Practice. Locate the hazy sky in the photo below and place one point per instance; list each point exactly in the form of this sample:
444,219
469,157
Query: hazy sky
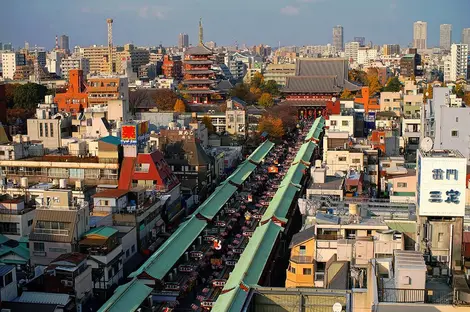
292,22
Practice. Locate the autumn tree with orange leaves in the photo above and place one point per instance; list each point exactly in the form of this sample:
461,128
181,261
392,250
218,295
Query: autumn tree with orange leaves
179,106
271,125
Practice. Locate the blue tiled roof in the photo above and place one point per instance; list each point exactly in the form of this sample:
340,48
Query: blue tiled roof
4,269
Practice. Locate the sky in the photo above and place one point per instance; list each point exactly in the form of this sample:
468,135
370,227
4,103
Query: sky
250,22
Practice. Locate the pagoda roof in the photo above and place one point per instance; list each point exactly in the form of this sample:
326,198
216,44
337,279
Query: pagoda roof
199,72
199,50
203,91
200,81
199,62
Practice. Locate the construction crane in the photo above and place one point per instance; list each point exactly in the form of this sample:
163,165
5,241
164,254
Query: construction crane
109,21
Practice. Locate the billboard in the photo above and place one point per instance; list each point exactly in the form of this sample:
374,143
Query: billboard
135,133
441,186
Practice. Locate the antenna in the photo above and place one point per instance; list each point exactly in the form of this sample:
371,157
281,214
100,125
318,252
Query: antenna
110,44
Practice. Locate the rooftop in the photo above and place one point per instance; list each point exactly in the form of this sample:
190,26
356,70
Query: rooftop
442,153
112,193
331,183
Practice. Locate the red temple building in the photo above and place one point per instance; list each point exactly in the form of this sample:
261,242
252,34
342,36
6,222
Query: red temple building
316,86
199,78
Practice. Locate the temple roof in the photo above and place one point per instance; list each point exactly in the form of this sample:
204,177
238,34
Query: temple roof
199,72
317,84
199,62
199,50
337,67
200,81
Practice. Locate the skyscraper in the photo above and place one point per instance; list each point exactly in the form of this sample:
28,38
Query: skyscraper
338,38
465,36
445,38
183,41
361,40
420,35
64,43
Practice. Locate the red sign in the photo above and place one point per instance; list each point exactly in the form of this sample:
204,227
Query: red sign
217,244
128,133
273,169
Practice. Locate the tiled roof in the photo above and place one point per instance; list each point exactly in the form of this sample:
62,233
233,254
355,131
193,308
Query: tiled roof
309,103
43,298
111,140
336,67
72,257
302,236
127,297
327,84
5,269
261,152
198,50
216,201
111,193
11,246
280,204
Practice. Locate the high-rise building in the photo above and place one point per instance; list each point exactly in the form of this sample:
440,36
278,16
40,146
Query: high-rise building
459,61
338,38
420,35
465,36
10,61
74,62
391,49
361,40
183,41
445,37
8,46
350,51
64,43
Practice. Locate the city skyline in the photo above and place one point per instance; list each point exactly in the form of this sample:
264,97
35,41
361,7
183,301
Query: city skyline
85,22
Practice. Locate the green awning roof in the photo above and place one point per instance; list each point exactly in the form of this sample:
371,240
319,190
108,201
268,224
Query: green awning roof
158,265
261,152
249,268
402,226
216,201
281,202
105,231
127,297
305,152
242,172
294,175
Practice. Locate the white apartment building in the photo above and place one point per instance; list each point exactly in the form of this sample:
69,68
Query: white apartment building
74,62
447,63
366,55
10,60
351,51
420,35
459,61
53,62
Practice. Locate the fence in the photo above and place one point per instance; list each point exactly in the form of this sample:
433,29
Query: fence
401,295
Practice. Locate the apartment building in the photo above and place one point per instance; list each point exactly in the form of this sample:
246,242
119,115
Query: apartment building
103,89
366,55
391,102
137,57
10,62
96,55
74,63
458,62
351,51
279,73
16,217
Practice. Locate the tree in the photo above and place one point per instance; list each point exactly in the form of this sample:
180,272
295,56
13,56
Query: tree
393,85
137,99
460,90
373,81
271,87
164,99
179,106
255,94
346,94
10,93
266,100
428,93
241,91
29,95
358,76
258,80
466,98
206,120
272,125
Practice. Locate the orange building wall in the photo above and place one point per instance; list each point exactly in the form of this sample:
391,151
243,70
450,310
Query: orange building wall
377,142
370,104
75,99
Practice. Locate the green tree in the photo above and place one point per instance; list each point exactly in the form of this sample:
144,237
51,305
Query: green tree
266,100
393,85
271,87
29,95
206,120
258,80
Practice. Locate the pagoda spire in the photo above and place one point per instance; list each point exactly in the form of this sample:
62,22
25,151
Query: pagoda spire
201,33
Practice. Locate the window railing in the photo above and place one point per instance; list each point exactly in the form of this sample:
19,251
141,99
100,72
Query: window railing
400,295
51,231
302,259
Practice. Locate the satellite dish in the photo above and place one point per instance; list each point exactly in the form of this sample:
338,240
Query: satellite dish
426,144
337,307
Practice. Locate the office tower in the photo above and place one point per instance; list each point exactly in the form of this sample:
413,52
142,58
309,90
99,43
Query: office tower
8,46
183,41
445,37
64,43
350,51
361,40
465,36
391,49
420,35
338,38
458,61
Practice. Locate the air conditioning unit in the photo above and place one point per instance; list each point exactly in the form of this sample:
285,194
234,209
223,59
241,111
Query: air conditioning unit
444,259
444,271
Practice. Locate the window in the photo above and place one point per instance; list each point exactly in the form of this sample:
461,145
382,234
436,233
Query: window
456,119
454,133
40,130
345,123
127,253
110,273
292,269
356,161
402,184
39,247
440,237
133,248
58,250
8,278
302,249
30,222
52,129
342,158
307,271
333,122
46,131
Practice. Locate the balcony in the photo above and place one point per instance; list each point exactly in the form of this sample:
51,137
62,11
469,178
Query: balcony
400,295
302,259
